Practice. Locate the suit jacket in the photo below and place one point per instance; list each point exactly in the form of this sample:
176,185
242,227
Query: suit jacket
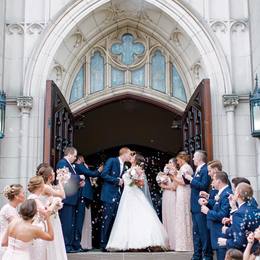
110,189
245,219
72,186
87,190
221,209
200,182
211,201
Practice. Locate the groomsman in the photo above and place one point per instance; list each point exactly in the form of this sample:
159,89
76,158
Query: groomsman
200,181
85,199
111,193
67,213
220,210
245,219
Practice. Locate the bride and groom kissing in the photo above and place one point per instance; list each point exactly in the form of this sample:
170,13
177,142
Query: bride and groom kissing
129,221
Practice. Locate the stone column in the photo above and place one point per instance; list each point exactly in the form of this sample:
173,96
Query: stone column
25,105
257,195
230,103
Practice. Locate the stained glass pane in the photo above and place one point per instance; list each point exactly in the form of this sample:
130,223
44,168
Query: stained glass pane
177,85
127,49
97,72
117,77
158,72
77,91
138,77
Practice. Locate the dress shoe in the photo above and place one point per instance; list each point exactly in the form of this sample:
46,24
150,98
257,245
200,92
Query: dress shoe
72,251
103,249
83,250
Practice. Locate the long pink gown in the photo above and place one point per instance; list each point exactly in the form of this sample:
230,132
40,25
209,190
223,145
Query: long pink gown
183,227
17,250
7,214
169,213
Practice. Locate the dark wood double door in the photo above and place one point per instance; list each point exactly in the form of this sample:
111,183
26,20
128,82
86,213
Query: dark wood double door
59,123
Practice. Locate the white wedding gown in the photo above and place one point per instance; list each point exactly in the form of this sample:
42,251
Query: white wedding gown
137,225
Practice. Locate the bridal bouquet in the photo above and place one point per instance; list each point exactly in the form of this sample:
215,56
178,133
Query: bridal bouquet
162,178
137,176
63,175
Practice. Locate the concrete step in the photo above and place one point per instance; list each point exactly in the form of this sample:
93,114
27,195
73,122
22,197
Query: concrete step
131,256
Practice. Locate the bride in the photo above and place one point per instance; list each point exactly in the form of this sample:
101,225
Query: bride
137,225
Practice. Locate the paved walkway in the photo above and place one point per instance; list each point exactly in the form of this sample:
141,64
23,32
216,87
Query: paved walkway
130,256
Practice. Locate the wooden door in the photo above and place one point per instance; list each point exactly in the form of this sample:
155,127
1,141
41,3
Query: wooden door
58,124
197,121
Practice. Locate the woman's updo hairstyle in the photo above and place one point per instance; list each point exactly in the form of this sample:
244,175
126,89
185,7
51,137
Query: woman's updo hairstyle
139,160
28,209
45,173
183,156
35,183
10,191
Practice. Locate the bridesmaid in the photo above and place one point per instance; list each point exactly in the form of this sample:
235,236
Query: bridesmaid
169,203
183,226
15,194
36,187
20,233
56,248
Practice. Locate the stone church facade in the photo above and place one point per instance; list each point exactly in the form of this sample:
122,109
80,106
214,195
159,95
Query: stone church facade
158,50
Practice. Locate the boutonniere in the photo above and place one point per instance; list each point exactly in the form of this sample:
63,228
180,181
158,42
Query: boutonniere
217,197
73,165
126,167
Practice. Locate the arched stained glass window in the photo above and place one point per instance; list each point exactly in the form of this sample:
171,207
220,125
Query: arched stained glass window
97,74
127,49
117,77
138,77
158,71
177,85
77,91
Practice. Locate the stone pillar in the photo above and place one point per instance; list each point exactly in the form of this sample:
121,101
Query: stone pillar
257,195
25,105
230,103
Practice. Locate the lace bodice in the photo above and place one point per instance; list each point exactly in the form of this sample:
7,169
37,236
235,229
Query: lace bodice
7,214
185,168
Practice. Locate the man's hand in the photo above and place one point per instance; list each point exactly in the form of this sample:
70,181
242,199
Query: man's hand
204,209
203,201
222,241
204,194
226,221
251,238
121,182
224,229
82,177
82,184
232,202
101,168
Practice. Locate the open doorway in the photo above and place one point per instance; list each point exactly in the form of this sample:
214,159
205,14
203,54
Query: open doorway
145,128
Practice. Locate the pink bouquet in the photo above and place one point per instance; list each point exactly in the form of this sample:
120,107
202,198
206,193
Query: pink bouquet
162,178
63,175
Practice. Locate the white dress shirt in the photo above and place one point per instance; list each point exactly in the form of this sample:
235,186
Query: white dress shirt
121,165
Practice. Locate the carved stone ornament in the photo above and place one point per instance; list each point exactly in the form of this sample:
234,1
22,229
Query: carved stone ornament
219,26
79,39
230,100
196,69
176,36
15,28
35,28
25,102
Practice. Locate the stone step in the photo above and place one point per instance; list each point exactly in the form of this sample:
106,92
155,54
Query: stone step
131,256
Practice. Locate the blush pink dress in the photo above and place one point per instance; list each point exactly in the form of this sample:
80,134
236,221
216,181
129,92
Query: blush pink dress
183,227
169,213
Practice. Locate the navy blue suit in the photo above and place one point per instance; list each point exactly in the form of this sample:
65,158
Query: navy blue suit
245,219
84,199
221,209
110,197
201,239
67,213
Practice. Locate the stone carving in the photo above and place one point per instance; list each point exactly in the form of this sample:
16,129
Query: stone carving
79,39
239,25
24,102
219,26
35,28
21,28
114,13
196,69
230,100
15,28
176,36
58,70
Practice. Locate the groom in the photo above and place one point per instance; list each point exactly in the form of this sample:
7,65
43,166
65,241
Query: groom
111,193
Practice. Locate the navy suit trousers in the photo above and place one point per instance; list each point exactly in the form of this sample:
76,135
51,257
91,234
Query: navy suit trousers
67,217
201,238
